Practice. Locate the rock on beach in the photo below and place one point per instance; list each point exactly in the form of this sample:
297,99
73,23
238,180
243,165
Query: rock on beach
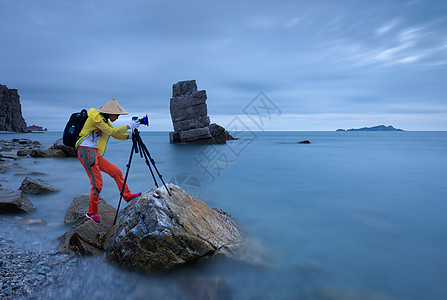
35,186
14,202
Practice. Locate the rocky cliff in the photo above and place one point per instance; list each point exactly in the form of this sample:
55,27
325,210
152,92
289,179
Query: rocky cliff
190,119
11,111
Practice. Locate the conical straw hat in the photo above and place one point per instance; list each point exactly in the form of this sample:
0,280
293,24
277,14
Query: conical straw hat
112,107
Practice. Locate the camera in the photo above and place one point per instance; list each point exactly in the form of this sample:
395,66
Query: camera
143,121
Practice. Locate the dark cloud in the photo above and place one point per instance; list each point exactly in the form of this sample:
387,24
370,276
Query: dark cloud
321,57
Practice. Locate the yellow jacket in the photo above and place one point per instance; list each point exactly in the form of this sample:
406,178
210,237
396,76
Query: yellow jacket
96,122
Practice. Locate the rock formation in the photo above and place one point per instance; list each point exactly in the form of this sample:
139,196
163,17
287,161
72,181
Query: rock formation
190,119
11,111
156,231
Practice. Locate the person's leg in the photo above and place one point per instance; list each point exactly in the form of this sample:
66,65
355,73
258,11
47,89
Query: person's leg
114,172
87,158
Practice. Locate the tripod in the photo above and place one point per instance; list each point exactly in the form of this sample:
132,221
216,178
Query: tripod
139,146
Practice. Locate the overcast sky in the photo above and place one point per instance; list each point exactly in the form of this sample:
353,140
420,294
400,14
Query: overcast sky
324,64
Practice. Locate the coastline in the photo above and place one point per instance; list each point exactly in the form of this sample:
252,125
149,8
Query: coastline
26,265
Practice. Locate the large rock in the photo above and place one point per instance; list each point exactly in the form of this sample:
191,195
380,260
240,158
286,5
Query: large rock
38,153
87,237
68,151
158,231
11,111
78,208
14,202
190,117
35,186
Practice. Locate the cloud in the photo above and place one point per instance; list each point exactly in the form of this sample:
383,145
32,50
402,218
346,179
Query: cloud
387,27
310,57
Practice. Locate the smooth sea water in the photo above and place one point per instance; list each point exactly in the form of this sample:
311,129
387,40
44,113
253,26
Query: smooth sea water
350,216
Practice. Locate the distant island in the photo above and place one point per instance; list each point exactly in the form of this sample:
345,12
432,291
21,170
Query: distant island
375,128
35,128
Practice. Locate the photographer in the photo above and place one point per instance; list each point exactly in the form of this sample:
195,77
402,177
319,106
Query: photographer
91,147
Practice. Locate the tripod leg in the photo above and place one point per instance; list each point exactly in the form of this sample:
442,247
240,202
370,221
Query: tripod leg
146,151
150,169
134,145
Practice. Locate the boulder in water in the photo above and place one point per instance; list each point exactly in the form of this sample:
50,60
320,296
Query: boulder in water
158,231
14,202
34,186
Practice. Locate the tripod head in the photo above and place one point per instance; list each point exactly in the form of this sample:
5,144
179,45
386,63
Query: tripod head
143,121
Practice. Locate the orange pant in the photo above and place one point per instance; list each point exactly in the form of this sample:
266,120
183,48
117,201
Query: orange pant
94,163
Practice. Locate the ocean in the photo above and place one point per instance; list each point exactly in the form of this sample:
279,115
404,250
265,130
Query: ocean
352,215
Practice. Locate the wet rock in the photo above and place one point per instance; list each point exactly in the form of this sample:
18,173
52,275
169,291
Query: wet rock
78,208
24,152
4,168
30,174
68,151
40,277
34,186
304,142
7,291
38,153
158,231
14,201
11,157
87,237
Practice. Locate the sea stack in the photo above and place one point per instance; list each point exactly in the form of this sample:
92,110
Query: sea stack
11,111
190,117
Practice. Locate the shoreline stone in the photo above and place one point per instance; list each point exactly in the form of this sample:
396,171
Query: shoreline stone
35,186
14,202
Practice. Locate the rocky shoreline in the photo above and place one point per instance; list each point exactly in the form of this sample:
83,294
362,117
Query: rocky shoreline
182,231
24,273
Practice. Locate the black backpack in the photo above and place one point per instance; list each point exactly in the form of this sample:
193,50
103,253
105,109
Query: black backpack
74,127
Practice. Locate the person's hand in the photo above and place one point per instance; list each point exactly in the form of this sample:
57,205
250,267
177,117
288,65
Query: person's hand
134,124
